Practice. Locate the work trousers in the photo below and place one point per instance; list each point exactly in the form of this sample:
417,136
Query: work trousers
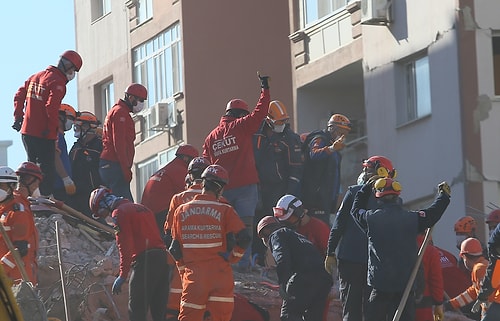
42,151
112,177
149,286
383,305
354,292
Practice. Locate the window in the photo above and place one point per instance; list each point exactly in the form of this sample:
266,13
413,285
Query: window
100,8
144,10
317,9
150,166
157,65
107,98
417,89
496,63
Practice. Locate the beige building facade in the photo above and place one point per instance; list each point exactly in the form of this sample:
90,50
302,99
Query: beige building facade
419,79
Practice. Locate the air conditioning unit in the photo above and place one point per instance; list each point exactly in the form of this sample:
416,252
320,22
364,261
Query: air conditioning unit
163,115
376,12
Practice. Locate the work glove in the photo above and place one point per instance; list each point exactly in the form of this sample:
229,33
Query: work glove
117,285
438,313
330,263
477,306
17,124
69,185
337,144
22,247
444,188
264,81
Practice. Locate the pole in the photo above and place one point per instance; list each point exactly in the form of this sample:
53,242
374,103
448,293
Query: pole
413,274
61,272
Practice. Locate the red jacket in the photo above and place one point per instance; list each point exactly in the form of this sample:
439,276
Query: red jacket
137,232
317,232
43,93
163,185
118,138
201,226
455,280
230,144
431,262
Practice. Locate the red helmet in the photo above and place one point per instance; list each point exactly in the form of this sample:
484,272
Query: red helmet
216,173
29,168
95,198
386,186
265,222
74,58
466,224
198,164
471,246
382,166
237,104
187,150
137,90
493,217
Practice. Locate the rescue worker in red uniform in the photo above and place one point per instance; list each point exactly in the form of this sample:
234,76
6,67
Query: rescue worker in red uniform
207,237
118,150
142,252
36,105
19,225
166,182
230,145
29,176
430,306
195,169
303,282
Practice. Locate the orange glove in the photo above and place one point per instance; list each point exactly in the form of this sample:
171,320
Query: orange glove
69,185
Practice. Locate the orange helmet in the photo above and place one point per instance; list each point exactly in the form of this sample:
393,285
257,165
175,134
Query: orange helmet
87,117
493,217
277,112
340,121
68,110
382,166
471,246
265,222
74,58
466,224
137,90
386,186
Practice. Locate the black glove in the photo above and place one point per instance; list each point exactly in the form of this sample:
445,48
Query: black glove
264,81
17,124
22,247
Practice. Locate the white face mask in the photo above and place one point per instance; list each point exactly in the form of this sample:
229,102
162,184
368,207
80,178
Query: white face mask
3,195
279,128
68,124
361,178
70,75
137,108
36,193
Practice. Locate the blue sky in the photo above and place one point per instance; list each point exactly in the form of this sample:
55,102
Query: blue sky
34,34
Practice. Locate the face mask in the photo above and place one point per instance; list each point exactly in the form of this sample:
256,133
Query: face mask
279,128
460,239
36,193
3,195
77,134
361,178
137,108
68,124
70,76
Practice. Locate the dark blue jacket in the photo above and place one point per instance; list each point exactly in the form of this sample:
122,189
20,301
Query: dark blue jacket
278,159
294,253
392,234
346,238
493,256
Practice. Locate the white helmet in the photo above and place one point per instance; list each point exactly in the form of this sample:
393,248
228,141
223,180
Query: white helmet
7,175
285,207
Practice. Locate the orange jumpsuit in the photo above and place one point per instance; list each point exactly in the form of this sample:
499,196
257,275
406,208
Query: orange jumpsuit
470,294
200,226
19,224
